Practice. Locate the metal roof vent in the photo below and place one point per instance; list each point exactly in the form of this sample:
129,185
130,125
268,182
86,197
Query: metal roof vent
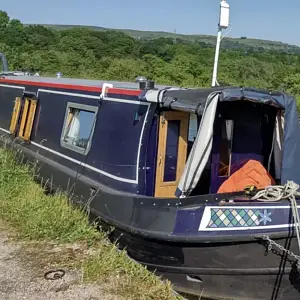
150,85
144,83
141,79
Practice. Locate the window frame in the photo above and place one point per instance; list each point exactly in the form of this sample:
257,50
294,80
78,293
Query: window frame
229,146
197,126
89,108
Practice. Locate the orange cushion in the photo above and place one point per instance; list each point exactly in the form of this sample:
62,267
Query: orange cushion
252,173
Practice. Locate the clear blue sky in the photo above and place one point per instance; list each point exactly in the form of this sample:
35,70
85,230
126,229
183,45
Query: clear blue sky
266,19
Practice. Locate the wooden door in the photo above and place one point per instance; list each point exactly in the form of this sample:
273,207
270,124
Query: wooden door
23,117
15,116
27,118
172,152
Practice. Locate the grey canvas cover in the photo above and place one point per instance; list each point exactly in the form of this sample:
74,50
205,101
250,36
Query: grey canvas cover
195,100
201,149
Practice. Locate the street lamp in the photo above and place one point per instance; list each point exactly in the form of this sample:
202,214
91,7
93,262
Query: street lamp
223,24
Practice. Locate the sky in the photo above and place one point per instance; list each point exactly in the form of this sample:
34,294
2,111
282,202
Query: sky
265,19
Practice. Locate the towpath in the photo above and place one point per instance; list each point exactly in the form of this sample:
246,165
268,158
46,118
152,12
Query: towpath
20,279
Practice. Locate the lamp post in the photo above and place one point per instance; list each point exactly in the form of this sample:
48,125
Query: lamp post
223,24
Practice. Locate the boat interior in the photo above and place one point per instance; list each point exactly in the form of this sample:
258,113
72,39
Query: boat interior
243,131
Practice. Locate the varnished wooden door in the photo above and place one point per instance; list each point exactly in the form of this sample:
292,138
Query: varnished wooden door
23,117
172,152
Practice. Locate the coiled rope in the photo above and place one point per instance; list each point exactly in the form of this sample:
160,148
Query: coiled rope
280,192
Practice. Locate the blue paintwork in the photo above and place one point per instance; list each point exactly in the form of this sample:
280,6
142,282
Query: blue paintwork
7,98
151,158
188,220
116,139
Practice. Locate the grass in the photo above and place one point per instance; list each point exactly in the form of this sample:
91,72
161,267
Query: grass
56,233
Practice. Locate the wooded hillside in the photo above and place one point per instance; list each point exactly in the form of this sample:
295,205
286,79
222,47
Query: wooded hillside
114,55
245,43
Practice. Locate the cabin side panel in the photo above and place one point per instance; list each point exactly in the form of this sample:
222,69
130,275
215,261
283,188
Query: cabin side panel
119,145
116,143
8,96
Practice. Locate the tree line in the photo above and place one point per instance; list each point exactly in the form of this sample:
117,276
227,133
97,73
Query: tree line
113,55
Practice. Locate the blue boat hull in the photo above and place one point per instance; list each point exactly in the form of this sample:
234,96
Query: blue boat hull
237,270
184,242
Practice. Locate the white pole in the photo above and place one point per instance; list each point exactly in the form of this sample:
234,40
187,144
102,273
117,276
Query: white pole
223,24
215,71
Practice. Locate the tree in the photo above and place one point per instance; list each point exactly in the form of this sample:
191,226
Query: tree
113,55
14,33
4,20
39,37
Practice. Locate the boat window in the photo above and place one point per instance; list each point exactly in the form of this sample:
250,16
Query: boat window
225,148
78,127
173,132
193,128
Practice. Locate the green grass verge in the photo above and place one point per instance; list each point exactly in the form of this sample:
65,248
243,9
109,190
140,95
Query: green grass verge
51,219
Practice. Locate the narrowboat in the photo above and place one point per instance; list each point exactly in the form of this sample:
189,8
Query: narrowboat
149,161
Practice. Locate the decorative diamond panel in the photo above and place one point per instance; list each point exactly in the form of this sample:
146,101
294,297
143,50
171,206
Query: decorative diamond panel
234,218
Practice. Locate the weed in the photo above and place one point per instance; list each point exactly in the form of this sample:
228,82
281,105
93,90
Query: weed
53,226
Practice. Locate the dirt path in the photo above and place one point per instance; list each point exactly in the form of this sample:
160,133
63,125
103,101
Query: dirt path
20,280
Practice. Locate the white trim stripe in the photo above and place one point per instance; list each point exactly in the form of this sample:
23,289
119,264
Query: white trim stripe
207,216
7,131
84,165
140,144
91,97
248,207
13,86
248,228
79,162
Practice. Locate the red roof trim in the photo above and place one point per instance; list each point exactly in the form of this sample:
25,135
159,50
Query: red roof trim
73,87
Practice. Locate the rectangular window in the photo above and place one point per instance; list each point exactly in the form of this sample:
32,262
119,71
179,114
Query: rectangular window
173,133
79,127
193,128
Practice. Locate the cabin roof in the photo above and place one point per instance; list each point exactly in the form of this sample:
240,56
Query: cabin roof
194,100
79,82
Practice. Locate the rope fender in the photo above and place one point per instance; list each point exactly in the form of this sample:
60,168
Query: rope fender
277,193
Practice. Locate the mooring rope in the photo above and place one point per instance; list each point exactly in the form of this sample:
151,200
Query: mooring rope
279,192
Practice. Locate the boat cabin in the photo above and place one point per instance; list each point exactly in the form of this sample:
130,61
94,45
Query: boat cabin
196,157
146,140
